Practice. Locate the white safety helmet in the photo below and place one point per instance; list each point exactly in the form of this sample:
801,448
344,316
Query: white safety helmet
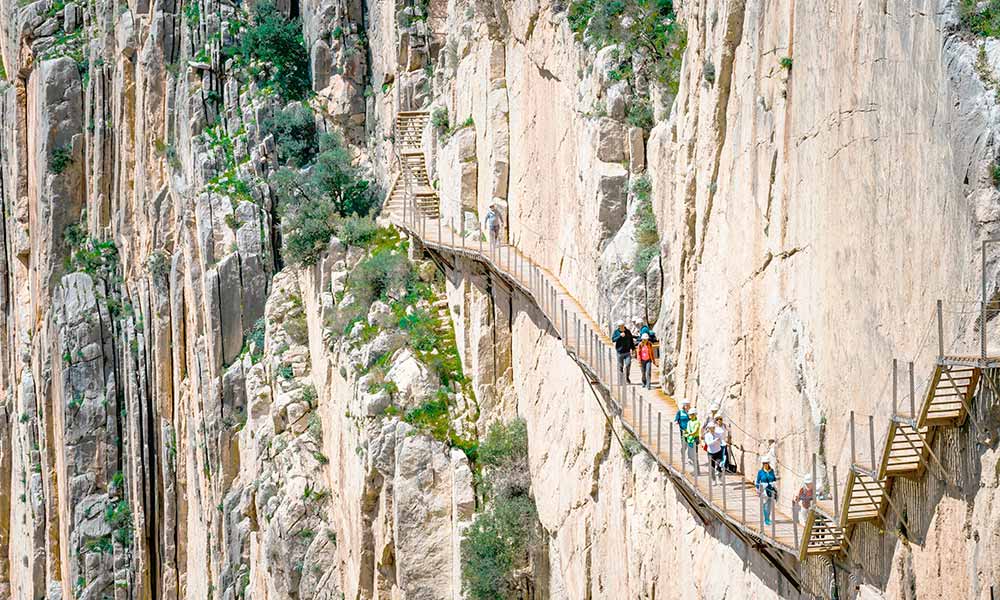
645,336
807,479
619,323
715,407
693,410
765,460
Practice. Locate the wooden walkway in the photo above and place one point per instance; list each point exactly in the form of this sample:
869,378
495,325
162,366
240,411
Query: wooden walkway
863,495
647,414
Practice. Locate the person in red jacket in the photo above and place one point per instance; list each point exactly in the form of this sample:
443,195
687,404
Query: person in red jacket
647,358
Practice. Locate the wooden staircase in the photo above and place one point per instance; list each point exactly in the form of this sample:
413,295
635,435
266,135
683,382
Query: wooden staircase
905,452
411,189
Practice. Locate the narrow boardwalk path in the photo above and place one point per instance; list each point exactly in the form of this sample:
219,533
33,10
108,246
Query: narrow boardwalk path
864,495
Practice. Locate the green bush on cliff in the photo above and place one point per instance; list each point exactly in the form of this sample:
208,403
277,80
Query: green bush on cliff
273,50
650,38
647,237
980,19
294,131
496,547
312,204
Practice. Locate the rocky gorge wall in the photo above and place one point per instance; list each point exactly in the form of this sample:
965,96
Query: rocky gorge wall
185,416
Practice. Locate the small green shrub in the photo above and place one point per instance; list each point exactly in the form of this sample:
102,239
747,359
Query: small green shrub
254,343
60,159
786,63
431,417
286,372
294,131
640,114
192,13
647,235
381,274
981,19
439,118
650,37
309,395
708,72
157,265
355,230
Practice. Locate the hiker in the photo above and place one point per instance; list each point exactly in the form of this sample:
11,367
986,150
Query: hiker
725,438
804,498
766,489
713,411
647,329
692,436
713,445
682,417
493,221
647,358
624,344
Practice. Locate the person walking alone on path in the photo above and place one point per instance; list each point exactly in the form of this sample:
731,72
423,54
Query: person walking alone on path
804,498
647,358
493,221
692,436
624,345
766,488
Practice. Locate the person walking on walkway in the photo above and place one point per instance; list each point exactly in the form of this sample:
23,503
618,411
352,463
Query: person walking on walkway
682,417
647,358
692,436
624,345
766,488
713,445
728,462
804,498
493,221
647,329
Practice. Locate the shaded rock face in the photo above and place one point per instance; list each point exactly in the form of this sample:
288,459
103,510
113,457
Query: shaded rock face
183,418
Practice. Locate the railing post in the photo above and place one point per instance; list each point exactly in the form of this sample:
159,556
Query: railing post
774,520
659,422
760,512
639,420
871,438
649,418
795,530
724,505
854,456
940,324
670,448
440,237
836,498
913,396
576,321
710,478
743,492
895,386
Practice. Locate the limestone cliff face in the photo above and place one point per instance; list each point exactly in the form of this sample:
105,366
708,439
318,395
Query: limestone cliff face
182,416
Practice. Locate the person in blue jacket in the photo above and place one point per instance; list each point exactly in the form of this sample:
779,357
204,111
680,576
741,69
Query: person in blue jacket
766,488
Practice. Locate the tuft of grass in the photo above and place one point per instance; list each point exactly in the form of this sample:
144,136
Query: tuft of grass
982,19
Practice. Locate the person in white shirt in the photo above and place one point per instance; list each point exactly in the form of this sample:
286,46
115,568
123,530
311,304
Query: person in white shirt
713,444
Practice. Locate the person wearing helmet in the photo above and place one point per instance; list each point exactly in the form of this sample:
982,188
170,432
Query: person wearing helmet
624,343
692,435
647,358
804,498
766,488
713,445
682,417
